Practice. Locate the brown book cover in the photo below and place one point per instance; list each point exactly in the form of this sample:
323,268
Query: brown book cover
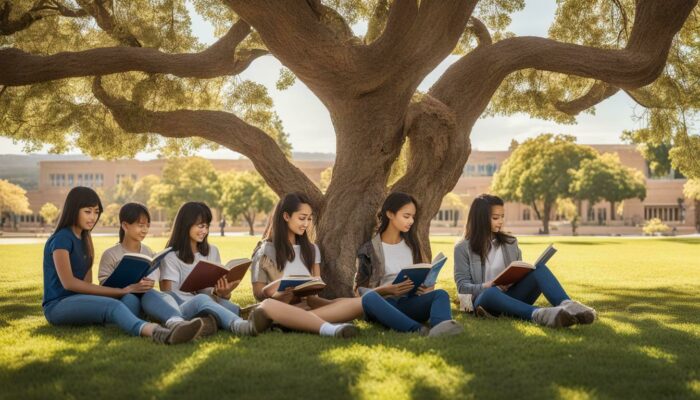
514,273
309,288
206,273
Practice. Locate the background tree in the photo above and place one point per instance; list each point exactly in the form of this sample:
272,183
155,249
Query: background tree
691,190
13,202
538,172
153,78
570,211
452,201
49,212
110,215
605,178
186,179
143,187
245,194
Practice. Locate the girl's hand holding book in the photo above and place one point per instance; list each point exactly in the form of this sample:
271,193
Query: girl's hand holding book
398,289
424,289
224,288
143,286
285,296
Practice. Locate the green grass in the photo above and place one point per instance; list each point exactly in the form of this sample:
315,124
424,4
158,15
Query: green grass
645,344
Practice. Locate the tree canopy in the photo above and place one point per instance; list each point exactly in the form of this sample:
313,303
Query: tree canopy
116,77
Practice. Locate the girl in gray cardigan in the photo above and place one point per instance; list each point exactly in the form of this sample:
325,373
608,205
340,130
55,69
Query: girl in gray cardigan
486,251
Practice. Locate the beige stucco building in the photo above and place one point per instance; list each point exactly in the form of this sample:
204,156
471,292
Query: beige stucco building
664,198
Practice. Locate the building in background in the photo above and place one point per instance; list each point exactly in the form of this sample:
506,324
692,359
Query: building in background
664,198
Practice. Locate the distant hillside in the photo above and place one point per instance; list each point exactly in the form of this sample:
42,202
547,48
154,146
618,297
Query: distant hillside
23,170
302,156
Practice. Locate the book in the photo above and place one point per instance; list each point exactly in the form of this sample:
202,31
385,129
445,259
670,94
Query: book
206,273
133,267
518,269
422,274
304,285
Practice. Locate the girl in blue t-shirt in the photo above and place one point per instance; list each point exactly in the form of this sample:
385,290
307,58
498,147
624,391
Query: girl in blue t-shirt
70,297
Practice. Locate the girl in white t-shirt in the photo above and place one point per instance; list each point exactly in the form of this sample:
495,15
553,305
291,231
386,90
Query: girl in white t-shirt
189,243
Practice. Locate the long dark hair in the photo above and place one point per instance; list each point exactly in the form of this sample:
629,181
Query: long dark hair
189,214
80,197
284,250
394,202
130,213
478,229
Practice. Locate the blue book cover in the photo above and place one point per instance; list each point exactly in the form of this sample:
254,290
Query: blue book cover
293,282
422,274
133,267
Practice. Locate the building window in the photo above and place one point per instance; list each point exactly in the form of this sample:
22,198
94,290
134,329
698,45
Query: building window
70,180
99,180
602,215
526,214
664,213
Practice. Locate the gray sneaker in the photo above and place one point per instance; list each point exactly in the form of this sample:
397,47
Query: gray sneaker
584,314
346,331
209,326
446,328
243,328
261,322
181,333
553,317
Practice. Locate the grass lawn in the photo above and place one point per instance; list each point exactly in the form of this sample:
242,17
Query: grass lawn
646,343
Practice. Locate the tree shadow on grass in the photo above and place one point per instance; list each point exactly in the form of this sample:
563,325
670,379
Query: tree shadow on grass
643,346
19,302
638,351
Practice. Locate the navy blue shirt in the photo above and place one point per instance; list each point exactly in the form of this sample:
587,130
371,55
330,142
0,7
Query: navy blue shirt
63,239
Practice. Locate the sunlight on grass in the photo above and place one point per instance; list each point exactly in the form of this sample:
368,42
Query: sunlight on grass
568,393
185,367
528,329
388,372
614,321
694,386
657,353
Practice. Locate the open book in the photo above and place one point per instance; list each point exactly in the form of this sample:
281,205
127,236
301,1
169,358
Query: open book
304,285
206,273
422,274
518,269
133,267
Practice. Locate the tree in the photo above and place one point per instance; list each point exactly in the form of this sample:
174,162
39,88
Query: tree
605,178
124,190
691,190
143,187
538,172
186,179
13,201
151,77
110,215
246,194
49,212
452,201
568,209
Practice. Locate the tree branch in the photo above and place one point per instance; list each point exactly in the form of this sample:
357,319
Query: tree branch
468,85
480,31
40,10
20,68
107,23
597,93
220,127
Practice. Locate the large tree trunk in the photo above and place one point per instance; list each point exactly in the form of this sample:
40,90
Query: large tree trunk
547,210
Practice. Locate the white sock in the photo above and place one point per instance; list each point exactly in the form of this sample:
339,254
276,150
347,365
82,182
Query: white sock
237,324
171,322
328,329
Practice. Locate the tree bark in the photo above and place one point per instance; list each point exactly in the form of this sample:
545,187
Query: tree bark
612,211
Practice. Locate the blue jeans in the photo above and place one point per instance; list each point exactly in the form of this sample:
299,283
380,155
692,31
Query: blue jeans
405,314
85,309
518,300
156,305
223,310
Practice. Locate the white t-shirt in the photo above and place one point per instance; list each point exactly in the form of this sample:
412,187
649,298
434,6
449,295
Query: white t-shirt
111,257
396,257
175,270
495,263
297,266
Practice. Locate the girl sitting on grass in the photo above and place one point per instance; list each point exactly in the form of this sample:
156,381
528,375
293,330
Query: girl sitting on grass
486,251
380,260
70,297
189,243
134,223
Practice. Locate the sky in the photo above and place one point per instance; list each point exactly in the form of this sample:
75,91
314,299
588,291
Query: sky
310,130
